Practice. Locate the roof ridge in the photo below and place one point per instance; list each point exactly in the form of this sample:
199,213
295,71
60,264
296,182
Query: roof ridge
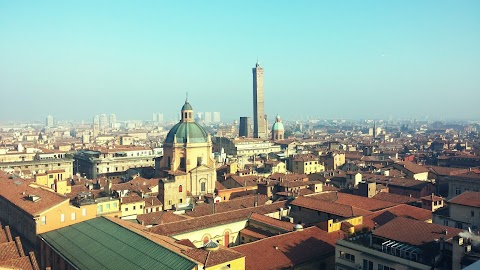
206,259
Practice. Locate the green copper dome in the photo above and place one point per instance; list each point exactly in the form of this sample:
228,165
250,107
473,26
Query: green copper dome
187,106
278,125
190,132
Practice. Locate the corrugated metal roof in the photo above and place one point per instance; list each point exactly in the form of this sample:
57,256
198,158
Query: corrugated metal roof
102,244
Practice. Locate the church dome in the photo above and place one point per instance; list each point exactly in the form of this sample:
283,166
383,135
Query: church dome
187,132
278,125
187,106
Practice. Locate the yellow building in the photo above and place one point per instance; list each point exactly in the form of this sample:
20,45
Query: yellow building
306,164
187,165
32,210
107,206
332,160
131,206
56,180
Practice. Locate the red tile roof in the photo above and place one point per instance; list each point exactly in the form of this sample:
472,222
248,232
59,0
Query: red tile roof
364,203
209,221
254,232
17,191
287,226
211,258
225,206
394,198
402,210
159,217
289,249
414,232
413,167
468,198
329,207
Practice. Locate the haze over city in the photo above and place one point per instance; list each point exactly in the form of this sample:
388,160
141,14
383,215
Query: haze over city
74,60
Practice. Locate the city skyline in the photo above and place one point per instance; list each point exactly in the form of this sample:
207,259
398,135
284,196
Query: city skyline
334,61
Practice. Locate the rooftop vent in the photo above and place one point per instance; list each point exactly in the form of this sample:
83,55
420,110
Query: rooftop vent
33,198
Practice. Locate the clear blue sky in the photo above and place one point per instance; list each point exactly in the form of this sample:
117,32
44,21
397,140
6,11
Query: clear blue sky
331,59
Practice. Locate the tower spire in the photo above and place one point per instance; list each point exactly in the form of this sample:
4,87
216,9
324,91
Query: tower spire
186,96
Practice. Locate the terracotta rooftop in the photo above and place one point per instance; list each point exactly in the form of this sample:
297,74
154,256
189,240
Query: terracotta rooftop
225,206
12,255
329,207
288,177
159,217
211,258
394,198
289,249
401,210
305,158
364,203
468,198
445,171
208,221
414,232
245,181
132,198
254,232
17,191
283,225
413,167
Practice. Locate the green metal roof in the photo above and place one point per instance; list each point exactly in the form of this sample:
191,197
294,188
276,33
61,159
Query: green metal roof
187,132
102,244
187,106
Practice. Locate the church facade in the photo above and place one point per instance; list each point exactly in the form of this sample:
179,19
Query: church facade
187,168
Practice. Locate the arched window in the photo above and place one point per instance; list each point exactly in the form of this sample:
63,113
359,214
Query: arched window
226,238
180,188
205,239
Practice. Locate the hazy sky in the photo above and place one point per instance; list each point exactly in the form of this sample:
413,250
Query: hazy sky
331,59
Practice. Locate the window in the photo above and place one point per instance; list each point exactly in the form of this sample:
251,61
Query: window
445,222
182,163
205,239
126,208
180,188
72,216
383,267
472,213
347,256
134,207
44,220
100,209
84,212
50,176
457,190
107,206
62,217
115,205
202,187
367,265
141,206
